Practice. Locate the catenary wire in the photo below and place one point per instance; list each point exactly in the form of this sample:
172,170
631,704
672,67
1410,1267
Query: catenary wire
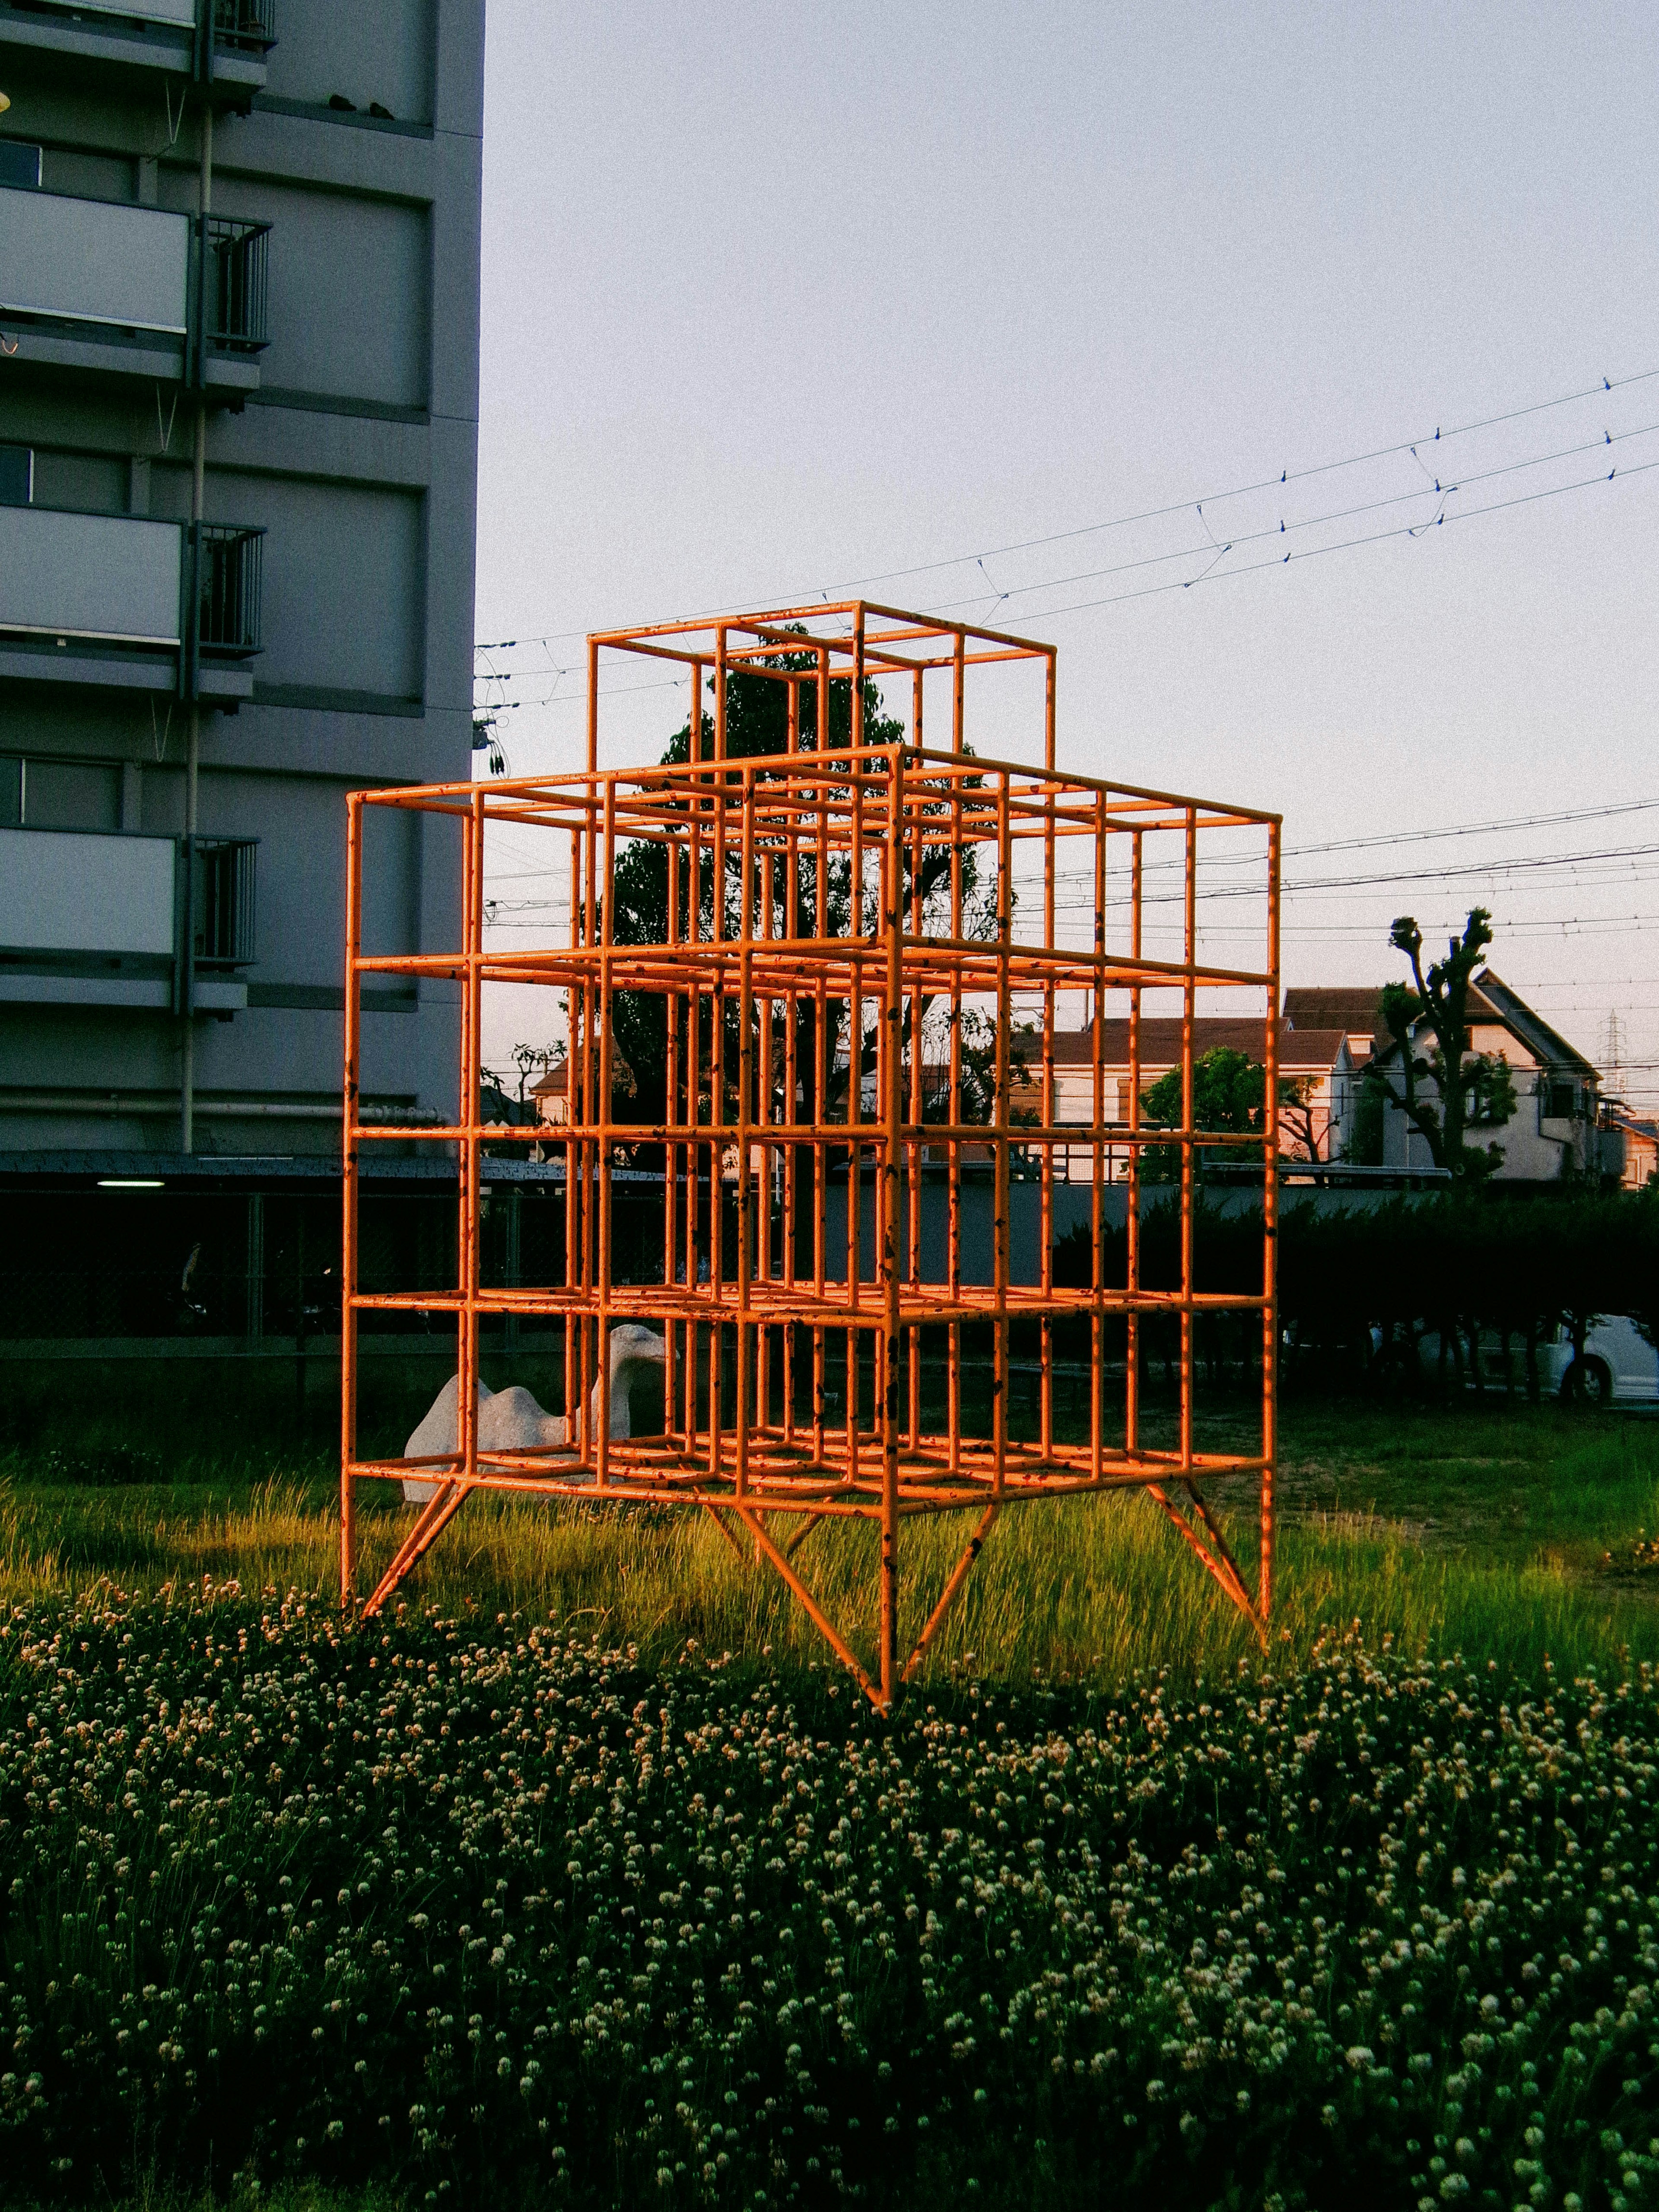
1438,435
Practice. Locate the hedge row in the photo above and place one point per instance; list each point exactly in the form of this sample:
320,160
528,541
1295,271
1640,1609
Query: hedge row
1521,1264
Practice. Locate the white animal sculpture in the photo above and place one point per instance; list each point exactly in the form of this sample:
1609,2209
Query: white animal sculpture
511,1420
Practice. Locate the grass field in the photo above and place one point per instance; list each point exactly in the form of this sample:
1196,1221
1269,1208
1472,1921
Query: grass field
1487,1529
583,1882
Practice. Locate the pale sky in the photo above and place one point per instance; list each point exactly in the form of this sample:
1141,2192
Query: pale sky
782,299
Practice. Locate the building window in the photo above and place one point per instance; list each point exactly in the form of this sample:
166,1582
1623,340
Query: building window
16,475
1124,1093
20,165
59,794
1560,1102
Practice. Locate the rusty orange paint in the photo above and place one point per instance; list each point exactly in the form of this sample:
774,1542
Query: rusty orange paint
829,888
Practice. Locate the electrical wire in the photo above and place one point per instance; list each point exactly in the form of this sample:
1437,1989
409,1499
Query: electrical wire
1287,476
1212,575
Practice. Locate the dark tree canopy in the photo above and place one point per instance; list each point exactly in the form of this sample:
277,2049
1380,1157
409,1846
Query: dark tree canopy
757,725
1228,1090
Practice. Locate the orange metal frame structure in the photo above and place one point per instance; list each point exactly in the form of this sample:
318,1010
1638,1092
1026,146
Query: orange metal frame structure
835,912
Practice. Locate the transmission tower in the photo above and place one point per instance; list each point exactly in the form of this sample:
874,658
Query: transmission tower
1613,1054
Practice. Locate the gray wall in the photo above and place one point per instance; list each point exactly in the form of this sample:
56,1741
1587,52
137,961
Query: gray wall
357,456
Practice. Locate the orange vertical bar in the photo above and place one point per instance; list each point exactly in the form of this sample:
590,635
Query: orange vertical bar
573,1391
593,708
1188,1123
745,1086
791,1069
821,1058
721,993
1270,1242
671,1156
466,1393
913,1150
594,1110
354,924
1132,1375
958,741
1096,1207
892,1110
1046,1263
602,1156
1000,1141
855,1050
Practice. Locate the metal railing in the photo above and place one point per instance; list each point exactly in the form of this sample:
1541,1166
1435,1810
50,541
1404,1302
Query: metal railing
229,575
232,260
222,898
245,23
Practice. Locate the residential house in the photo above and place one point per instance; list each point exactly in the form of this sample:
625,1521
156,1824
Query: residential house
1317,1062
1553,1130
1355,1009
1634,1147
551,1095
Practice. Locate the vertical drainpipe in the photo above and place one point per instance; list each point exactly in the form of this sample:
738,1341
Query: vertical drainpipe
192,615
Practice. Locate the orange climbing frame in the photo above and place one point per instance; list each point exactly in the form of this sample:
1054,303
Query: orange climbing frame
871,1126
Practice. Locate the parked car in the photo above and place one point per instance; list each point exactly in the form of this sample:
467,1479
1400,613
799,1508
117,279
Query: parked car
1620,1367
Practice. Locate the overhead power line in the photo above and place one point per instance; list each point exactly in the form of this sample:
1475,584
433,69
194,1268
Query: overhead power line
1212,574
1439,436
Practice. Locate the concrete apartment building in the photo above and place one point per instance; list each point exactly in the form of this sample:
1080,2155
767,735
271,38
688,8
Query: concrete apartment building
239,324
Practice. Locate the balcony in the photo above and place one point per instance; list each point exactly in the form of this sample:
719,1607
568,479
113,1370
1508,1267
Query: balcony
132,291
120,600
219,44
94,917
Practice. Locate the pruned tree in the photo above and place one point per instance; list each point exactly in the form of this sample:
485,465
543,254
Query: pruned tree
532,1059
1449,1089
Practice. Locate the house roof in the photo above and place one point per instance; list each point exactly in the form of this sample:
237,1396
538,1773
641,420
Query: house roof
554,1083
1492,1001
1356,1009
1303,1050
1544,1044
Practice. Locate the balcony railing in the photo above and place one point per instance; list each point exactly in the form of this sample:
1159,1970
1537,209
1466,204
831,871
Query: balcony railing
222,902
70,891
230,573
234,284
192,589
250,23
114,579
245,30
105,918
126,277
93,261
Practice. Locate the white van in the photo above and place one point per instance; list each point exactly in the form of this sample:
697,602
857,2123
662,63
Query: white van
1621,1368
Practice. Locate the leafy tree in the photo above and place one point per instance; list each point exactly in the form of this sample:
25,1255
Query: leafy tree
1228,1090
757,725
1298,1116
1464,1089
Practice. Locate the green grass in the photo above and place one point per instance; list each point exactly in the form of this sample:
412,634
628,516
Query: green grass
1507,1531
179,1706
470,1912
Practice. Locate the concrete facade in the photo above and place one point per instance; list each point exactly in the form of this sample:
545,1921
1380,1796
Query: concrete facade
317,629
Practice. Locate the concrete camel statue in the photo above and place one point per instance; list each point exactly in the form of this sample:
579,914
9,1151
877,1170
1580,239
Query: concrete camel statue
511,1420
